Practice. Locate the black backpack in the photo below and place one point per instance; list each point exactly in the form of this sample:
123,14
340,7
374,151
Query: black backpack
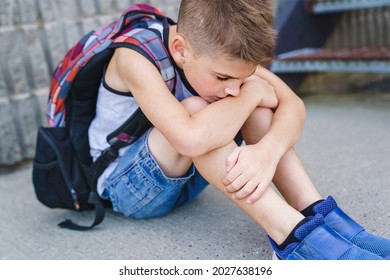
64,175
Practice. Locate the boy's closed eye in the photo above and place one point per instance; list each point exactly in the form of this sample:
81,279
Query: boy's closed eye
222,78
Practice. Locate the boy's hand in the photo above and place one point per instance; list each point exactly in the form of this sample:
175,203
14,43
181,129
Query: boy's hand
250,170
260,86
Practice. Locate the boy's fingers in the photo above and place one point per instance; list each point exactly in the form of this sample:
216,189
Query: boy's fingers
231,176
236,184
257,194
246,190
232,159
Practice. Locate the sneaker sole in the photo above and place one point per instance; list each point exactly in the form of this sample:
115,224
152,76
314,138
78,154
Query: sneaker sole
275,257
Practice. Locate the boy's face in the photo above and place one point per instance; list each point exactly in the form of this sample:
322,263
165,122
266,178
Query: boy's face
216,78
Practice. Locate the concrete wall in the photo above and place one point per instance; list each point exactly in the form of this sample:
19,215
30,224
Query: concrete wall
34,36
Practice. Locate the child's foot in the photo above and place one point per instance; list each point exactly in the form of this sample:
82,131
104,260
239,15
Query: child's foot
344,225
317,241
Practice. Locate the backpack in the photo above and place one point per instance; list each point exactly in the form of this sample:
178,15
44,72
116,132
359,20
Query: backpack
64,175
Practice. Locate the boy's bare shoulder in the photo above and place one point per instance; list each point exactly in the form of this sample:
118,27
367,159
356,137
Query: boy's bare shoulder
132,69
129,58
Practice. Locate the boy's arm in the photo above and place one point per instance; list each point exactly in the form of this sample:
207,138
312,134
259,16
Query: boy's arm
190,135
289,117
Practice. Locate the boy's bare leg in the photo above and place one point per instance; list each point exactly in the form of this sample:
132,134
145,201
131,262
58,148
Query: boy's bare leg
291,178
271,212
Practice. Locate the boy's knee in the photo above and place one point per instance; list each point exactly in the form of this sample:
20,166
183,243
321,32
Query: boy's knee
194,104
258,124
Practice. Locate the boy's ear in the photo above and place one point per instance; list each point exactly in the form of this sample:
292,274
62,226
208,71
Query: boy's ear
180,49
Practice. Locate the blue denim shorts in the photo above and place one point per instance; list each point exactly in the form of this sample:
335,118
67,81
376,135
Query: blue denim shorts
139,189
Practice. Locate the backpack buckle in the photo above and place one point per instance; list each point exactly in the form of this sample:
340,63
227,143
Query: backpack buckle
109,155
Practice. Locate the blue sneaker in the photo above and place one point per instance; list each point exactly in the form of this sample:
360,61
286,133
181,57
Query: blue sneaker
344,225
317,241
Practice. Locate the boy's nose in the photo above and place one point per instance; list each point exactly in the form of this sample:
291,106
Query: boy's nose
233,89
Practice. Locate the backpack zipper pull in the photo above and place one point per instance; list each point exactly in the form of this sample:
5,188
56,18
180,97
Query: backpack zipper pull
75,200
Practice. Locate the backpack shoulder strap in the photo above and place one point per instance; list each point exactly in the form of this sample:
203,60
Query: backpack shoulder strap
148,43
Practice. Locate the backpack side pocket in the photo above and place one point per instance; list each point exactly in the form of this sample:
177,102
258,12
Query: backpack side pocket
57,178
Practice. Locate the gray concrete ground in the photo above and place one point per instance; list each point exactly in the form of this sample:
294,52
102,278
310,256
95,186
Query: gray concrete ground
345,147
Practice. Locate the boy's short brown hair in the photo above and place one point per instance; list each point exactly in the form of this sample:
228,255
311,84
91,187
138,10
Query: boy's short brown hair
237,28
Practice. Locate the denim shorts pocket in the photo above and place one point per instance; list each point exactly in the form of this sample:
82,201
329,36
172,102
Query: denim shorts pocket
132,191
